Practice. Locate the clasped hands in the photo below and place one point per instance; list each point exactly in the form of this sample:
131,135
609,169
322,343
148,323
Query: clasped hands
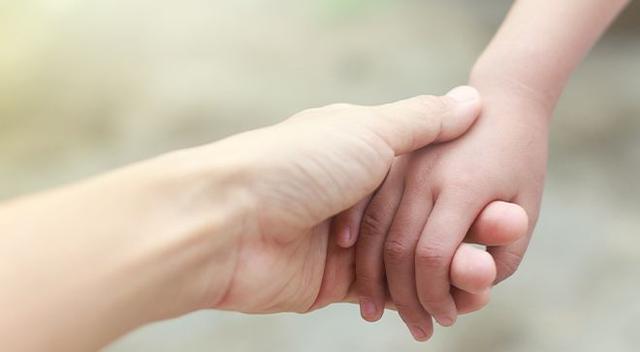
344,203
344,213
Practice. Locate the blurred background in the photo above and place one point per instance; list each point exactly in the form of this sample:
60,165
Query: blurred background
86,86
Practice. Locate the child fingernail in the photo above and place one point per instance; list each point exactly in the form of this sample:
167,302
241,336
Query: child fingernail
445,320
368,309
345,236
418,333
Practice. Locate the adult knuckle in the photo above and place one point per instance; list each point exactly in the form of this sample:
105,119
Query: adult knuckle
396,251
434,110
431,103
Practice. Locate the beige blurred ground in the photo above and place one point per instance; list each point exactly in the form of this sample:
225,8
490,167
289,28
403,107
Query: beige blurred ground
87,86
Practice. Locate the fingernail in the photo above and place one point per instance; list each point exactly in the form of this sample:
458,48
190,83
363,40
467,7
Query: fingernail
464,94
445,320
418,333
345,235
368,309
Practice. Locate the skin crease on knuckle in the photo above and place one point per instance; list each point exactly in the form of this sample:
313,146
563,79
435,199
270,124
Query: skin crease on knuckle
396,252
434,106
371,226
431,256
507,264
375,219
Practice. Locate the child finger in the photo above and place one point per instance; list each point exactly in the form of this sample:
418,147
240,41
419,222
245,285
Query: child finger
375,223
399,250
470,302
508,257
447,226
472,269
347,224
499,223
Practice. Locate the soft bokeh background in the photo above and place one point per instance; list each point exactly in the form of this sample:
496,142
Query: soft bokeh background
86,86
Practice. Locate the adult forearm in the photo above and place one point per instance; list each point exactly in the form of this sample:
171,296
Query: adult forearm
541,42
86,263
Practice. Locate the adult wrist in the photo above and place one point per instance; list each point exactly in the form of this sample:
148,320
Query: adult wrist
211,207
144,243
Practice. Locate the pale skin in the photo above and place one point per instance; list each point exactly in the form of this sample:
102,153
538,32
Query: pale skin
242,224
410,229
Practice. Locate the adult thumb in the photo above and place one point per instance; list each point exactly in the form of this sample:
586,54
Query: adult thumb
411,124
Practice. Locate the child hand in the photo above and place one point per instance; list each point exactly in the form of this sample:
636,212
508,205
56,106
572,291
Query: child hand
473,270
427,204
